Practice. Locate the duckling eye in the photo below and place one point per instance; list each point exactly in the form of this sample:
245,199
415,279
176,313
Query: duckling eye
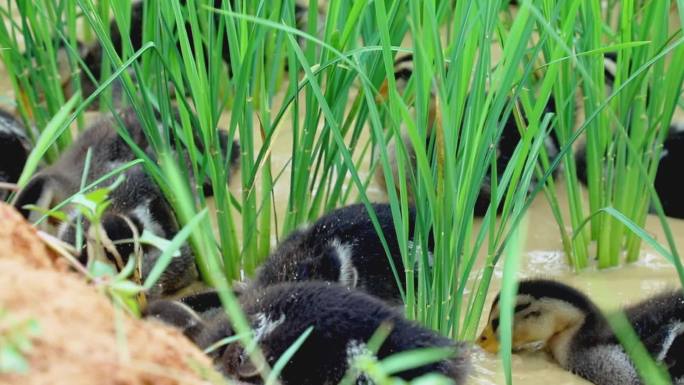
521,307
531,314
403,73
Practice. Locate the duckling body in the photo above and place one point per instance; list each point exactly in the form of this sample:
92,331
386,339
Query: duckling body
57,182
14,149
136,205
342,246
556,317
343,321
667,184
203,327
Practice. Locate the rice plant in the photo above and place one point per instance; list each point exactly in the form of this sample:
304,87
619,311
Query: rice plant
625,122
276,74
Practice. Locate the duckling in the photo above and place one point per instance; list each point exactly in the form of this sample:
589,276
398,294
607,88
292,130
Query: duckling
203,302
203,328
14,147
344,247
136,202
62,179
57,182
505,147
560,319
669,190
343,321
176,314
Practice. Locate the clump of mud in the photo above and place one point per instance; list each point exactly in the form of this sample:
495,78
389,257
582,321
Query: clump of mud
82,338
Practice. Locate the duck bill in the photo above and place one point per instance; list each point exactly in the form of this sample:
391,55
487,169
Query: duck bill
488,340
383,93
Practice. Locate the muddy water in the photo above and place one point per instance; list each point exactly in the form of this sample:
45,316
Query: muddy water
542,258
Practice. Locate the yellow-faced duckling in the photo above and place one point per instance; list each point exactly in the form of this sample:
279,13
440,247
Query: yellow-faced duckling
552,316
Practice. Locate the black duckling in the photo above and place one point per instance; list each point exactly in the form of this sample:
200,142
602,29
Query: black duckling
505,147
14,147
558,318
137,202
667,183
342,319
204,328
55,183
344,247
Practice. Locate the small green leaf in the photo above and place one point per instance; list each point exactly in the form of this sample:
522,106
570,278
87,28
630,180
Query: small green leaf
60,215
88,207
98,196
126,287
11,360
102,269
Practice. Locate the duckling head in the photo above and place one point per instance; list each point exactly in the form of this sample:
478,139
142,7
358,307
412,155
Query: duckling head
546,315
403,70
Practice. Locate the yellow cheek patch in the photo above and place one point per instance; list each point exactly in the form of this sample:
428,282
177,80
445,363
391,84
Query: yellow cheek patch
488,340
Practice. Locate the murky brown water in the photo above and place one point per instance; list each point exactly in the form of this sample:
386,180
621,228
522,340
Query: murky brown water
543,258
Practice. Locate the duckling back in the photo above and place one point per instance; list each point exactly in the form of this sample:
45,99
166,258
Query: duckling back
343,321
659,322
343,247
597,355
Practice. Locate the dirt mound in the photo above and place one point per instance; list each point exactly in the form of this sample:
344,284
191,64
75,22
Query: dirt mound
19,241
82,338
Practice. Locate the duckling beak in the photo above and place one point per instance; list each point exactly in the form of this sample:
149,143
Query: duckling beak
488,340
25,101
383,93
